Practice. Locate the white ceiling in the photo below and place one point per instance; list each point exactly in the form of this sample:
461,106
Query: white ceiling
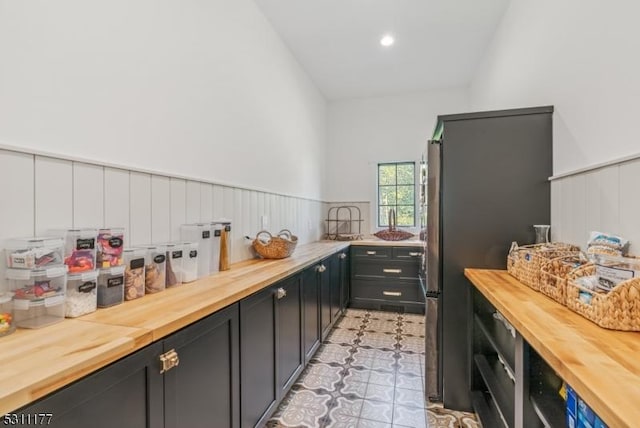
439,43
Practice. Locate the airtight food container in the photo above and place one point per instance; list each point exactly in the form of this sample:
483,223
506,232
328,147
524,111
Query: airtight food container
34,253
82,294
134,259
38,312
111,286
200,233
190,261
175,255
155,266
39,296
79,249
216,230
7,324
37,284
109,247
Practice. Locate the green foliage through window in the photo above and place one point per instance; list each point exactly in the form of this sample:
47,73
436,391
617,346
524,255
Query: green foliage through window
396,189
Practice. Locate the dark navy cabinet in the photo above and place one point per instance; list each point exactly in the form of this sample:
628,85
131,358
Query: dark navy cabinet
386,278
311,310
202,390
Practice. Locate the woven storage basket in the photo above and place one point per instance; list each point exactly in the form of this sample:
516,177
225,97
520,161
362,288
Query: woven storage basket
555,273
619,309
275,247
524,262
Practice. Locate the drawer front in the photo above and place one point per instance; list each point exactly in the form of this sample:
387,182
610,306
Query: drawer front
380,269
371,252
407,253
392,291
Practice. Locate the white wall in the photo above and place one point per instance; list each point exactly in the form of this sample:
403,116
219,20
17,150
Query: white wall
49,193
204,89
365,131
582,57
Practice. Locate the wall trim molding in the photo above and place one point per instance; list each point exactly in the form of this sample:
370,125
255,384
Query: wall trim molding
54,155
596,166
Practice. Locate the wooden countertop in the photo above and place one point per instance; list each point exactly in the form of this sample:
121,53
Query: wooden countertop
373,241
38,362
603,366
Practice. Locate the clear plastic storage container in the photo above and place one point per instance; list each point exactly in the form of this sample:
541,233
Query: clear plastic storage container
155,269
39,312
190,261
200,233
82,294
134,272
111,286
226,225
7,324
79,249
34,253
216,230
37,284
110,245
175,256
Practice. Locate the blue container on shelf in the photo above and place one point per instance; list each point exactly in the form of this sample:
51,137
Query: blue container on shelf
579,414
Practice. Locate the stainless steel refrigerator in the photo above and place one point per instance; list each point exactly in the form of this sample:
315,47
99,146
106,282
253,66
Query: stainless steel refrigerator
486,185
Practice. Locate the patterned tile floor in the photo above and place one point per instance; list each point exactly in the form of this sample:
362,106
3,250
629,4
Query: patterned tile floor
368,373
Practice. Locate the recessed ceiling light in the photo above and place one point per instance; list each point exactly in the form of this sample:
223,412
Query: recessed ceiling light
387,40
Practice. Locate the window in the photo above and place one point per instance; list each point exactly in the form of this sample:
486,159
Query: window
397,189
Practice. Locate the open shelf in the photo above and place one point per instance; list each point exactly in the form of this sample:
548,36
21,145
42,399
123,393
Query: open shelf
485,409
499,384
498,336
543,393
550,410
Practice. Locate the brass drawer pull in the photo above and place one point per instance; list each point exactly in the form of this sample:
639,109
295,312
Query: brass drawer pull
169,360
414,254
392,270
371,253
392,293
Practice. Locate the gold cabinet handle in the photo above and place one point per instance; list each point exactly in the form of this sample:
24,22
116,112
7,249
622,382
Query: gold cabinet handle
321,268
371,253
392,270
392,293
414,254
169,360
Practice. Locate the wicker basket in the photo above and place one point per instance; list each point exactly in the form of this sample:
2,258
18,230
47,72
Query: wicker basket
393,233
275,247
619,309
525,262
555,273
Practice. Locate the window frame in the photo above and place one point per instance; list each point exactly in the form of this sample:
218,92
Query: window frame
414,185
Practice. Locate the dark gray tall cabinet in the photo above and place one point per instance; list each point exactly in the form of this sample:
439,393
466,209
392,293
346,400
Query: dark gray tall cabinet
493,171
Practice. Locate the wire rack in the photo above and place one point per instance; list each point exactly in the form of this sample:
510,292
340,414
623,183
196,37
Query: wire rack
341,222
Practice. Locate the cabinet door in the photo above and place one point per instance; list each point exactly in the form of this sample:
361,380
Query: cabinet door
257,357
344,280
334,274
325,297
128,394
289,333
204,389
311,297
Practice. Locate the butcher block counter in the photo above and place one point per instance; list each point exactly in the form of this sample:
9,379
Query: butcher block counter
38,362
603,366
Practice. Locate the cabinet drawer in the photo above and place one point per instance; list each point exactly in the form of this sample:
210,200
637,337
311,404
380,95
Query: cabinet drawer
379,269
407,253
371,252
392,291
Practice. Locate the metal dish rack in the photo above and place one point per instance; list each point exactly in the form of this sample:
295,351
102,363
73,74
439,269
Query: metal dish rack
341,228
